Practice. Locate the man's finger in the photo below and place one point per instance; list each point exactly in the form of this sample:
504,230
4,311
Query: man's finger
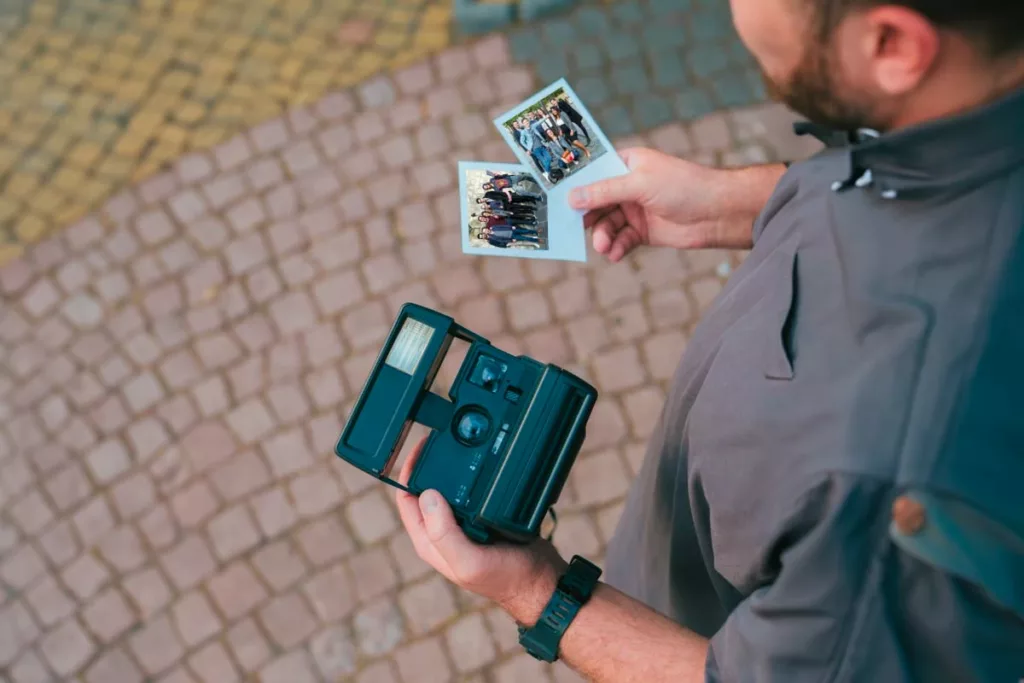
617,190
606,230
406,471
412,520
625,241
444,532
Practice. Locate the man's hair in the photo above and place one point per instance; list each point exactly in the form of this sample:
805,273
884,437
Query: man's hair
995,25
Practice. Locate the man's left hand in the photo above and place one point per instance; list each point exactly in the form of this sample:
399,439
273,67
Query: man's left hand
520,579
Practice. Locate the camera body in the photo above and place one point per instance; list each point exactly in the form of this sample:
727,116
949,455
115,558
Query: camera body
502,444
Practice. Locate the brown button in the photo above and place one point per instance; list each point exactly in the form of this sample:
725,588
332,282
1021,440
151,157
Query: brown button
908,515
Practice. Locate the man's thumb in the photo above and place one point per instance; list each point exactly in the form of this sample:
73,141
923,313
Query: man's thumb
605,193
442,529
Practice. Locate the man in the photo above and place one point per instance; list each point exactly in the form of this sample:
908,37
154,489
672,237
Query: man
534,146
833,492
574,116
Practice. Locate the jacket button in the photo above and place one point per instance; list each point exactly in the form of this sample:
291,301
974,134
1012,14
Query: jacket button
908,515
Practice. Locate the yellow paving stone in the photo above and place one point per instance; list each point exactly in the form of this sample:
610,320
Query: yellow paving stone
8,208
85,154
208,136
90,87
8,157
190,112
290,69
71,212
24,135
142,171
58,141
20,185
68,179
131,145
173,135
46,200
30,227
94,189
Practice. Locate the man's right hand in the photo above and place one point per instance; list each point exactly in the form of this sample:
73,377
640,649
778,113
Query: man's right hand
666,201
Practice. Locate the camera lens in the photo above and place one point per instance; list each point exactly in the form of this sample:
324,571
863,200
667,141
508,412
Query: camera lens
472,427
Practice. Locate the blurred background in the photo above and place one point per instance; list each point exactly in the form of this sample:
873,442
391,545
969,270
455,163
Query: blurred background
210,211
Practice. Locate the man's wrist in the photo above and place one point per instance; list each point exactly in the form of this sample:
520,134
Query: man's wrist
526,606
744,194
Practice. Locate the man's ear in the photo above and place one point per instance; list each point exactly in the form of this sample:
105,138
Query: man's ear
901,47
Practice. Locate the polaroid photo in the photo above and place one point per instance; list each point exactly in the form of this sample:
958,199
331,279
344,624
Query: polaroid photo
554,135
505,213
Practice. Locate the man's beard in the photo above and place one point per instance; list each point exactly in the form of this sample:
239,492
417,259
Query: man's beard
813,91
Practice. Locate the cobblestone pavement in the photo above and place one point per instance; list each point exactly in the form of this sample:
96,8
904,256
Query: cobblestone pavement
95,93
176,366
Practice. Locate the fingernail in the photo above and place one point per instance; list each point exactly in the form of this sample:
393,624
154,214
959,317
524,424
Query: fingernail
428,502
579,196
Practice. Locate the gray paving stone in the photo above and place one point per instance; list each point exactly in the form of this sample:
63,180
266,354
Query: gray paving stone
615,121
733,89
663,7
707,59
658,36
620,46
538,9
628,12
630,78
709,24
651,111
551,65
525,44
593,90
693,104
668,69
592,22
476,17
559,33
586,57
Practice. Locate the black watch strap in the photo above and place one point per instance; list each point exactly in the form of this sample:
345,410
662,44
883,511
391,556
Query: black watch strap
573,591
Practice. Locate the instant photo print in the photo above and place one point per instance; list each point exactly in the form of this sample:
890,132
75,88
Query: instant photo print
554,135
501,445
505,212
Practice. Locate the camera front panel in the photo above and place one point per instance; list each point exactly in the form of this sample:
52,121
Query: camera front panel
489,396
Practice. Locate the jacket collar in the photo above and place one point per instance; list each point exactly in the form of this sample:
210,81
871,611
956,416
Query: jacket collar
947,154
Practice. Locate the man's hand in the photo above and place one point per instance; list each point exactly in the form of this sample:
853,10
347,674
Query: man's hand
520,579
666,201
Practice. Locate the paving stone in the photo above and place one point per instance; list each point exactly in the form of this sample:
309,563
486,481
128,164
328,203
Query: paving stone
248,645
155,646
114,665
693,104
213,664
66,648
470,643
615,120
195,619
423,661
108,616
427,604
287,620
236,590
331,595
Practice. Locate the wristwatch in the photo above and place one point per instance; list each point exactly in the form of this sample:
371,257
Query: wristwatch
573,591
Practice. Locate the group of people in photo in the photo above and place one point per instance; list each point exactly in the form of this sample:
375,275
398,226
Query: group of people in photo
554,135
510,212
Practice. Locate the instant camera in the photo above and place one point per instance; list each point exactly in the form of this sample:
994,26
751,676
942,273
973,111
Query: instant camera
500,446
